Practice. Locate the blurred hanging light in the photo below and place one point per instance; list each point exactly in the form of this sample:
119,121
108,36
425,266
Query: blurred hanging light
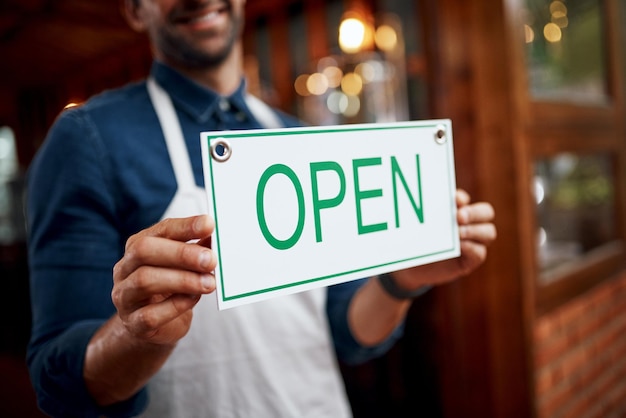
317,84
353,108
529,34
326,62
542,237
558,12
337,102
561,21
386,38
300,85
367,72
352,84
552,32
558,8
540,190
351,35
71,105
333,75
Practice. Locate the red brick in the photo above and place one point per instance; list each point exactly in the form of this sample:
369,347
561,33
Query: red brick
545,329
590,373
592,324
544,382
616,398
577,408
550,353
574,361
550,405
602,343
572,312
580,355
601,390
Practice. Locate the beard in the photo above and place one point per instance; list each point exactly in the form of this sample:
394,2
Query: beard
184,52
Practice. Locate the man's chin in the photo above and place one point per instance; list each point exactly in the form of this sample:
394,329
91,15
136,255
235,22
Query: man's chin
202,61
207,53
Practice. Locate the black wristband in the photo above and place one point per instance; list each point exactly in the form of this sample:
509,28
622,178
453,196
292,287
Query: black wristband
390,286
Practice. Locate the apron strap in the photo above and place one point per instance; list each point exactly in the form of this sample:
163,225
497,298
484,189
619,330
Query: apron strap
263,113
174,139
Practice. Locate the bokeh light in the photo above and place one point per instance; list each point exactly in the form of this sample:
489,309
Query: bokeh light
386,38
352,84
552,32
317,84
351,35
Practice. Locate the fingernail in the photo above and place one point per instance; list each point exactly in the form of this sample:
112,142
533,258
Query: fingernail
462,232
198,224
205,259
208,281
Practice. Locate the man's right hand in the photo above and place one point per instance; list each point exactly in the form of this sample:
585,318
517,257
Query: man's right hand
165,270
162,276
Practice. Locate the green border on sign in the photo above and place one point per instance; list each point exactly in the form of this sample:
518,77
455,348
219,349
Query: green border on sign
309,131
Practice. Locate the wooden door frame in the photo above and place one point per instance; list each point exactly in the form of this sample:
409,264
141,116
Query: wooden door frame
477,77
486,355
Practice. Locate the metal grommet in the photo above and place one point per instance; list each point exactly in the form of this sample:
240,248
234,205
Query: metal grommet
220,150
440,134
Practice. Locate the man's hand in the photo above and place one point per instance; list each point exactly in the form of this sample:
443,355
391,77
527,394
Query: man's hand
155,286
162,276
476,230
374,313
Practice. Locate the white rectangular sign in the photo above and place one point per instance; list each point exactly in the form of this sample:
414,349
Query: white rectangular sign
301,208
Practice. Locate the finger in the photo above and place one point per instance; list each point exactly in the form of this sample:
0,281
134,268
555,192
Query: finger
462,198
146,282
179,229
475,213
162,252
472,255
484,233
147,321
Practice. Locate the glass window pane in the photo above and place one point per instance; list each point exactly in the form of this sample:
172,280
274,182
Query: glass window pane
11,189
575,207
566,53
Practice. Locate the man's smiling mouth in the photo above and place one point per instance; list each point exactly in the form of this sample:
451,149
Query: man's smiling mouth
205,18
206,14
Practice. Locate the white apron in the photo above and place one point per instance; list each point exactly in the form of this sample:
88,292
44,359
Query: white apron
268,359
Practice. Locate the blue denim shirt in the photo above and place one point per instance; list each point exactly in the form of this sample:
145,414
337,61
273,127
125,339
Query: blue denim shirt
103,174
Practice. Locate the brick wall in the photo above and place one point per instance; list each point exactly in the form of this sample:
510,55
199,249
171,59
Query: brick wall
580,356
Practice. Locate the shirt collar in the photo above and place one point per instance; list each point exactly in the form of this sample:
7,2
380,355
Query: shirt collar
198,101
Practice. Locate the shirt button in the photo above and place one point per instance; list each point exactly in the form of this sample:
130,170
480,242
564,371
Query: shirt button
224,104
240,116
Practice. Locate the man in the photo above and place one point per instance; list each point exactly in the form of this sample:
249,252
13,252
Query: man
117,185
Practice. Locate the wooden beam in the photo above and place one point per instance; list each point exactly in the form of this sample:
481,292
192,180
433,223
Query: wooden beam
314,12
281,63
485,350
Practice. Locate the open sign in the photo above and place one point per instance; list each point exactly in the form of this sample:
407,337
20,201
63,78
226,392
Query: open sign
302,208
